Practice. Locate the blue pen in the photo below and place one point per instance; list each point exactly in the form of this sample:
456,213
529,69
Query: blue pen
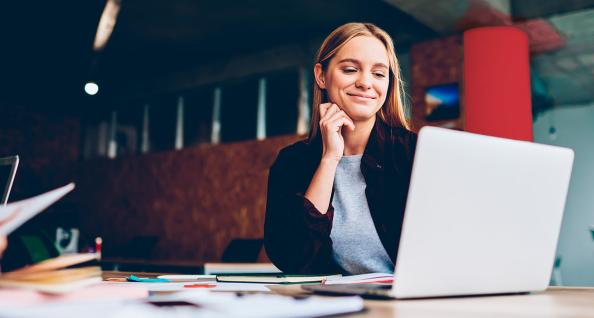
133,278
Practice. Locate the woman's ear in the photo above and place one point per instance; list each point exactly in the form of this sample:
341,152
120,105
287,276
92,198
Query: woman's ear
319,76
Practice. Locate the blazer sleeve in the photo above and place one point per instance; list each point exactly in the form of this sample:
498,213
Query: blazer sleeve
296,234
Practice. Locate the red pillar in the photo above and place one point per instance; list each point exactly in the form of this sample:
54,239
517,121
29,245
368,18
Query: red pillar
497,83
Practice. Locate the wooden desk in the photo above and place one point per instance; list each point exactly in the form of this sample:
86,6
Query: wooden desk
555,302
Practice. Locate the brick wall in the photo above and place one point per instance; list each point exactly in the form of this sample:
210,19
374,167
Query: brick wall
192,201
45,143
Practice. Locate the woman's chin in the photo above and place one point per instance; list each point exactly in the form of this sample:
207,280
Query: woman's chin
358,114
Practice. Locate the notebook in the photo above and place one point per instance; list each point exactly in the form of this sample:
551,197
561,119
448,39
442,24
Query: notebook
53,275
276,279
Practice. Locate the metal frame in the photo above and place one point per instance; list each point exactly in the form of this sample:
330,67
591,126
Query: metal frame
14,162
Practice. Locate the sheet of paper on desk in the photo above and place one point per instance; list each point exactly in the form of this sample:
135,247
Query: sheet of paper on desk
371,278
265,305
198,305
177,286
103,309
152,287
241,287
12,298
15,214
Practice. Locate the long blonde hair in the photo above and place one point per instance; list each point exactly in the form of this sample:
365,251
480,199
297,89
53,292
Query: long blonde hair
392,112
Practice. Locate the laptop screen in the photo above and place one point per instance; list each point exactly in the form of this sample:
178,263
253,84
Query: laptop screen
8,167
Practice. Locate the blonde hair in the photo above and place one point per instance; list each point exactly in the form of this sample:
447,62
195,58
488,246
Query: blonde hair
392,112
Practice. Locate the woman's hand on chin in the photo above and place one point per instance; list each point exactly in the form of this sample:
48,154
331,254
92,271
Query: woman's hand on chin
332,120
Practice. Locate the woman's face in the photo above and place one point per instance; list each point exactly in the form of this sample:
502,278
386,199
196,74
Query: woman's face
357,77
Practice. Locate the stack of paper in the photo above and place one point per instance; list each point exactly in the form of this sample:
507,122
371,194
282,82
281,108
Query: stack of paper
51,276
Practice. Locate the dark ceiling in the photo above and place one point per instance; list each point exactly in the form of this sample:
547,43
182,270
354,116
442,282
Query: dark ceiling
156,37
47,45
46,50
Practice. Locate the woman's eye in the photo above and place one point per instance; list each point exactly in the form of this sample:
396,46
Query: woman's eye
382,75
349,70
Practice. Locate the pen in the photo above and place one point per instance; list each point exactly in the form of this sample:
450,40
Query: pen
207,285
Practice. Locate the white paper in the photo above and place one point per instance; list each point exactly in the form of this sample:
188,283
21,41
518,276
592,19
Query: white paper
360,279
155,287
240,287
15,214
177,286
208,305
265,305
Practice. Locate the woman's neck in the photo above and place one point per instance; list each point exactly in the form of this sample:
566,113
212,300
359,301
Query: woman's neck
356,141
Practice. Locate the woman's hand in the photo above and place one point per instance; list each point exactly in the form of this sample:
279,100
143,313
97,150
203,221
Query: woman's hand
332,118
2,244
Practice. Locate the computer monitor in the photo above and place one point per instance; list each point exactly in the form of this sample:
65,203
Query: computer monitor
8,168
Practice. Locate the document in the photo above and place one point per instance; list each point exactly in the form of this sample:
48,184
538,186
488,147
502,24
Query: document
15,214
275,279
264,305
371,278
211,286
196,304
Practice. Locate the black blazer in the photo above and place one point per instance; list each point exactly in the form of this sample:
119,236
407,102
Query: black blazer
297,235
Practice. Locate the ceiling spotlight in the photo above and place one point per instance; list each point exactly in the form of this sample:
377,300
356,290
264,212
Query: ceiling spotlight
91,88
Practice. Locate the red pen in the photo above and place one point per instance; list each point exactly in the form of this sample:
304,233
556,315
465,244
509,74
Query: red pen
207,285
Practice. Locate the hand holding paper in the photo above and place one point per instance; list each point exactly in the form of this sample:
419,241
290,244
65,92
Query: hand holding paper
2,244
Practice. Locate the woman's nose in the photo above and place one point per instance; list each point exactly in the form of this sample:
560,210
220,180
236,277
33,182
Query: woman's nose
363,82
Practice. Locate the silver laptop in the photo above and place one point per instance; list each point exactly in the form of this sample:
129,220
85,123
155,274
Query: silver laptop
8,168
483,216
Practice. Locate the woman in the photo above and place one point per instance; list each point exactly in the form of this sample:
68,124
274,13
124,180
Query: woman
336,201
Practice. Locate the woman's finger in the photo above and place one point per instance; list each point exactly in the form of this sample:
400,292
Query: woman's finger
338,123
3,244
324,108
333,109
338,119
342,115
349,122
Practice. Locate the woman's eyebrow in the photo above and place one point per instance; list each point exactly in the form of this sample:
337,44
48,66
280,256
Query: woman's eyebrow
359,63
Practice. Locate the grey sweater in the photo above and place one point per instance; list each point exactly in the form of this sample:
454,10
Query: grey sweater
355,242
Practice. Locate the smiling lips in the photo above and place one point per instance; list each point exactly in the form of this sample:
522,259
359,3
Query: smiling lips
361,96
